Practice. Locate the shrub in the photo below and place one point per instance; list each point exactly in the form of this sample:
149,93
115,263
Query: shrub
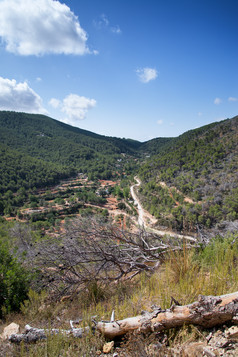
14,282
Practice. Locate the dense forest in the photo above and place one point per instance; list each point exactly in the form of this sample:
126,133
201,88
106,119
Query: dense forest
37,151
188,183
47,139
201,164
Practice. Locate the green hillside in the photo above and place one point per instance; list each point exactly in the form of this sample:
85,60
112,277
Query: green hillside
70,149
202,164
37,151
49,139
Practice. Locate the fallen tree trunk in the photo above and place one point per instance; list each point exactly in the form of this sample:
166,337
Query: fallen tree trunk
33,334
207,312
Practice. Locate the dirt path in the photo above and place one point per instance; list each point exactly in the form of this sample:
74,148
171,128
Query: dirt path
144,217
186,198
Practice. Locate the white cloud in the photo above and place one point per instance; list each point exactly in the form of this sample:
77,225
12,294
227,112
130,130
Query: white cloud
55,103
74,106
103,23
116,29
233,99
37,27
19,97
160,122
217,101
199,114
146,74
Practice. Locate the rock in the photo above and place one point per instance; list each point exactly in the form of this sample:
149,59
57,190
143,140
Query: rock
10,330
153,348
232,332
194,349
235,320
217,333
108,347
209,353
209,337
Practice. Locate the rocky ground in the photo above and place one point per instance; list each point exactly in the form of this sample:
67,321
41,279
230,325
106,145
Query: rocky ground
217,342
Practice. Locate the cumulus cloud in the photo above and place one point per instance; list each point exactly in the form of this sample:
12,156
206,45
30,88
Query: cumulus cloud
160,121
217,101
74,106
233,99
37,27
19,97
146,74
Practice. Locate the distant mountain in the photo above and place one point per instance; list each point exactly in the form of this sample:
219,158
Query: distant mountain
33,132
155,146
201,164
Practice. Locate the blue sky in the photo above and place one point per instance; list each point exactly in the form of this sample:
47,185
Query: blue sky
126,68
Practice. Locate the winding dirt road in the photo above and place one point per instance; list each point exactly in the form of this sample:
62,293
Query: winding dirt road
144,216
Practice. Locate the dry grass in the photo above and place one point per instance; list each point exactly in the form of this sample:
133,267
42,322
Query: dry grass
184,275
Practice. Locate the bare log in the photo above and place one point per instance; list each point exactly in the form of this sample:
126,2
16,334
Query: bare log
33,334
207,312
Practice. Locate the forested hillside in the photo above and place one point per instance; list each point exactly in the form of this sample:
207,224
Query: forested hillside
44,138
29,142
37,151
188,183
201,164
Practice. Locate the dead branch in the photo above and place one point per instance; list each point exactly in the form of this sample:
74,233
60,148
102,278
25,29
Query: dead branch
92,251
33,334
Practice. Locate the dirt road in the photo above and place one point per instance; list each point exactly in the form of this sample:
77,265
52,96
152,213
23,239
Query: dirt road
144,217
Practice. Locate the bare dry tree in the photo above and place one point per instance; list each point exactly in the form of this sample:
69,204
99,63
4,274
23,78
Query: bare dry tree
92,251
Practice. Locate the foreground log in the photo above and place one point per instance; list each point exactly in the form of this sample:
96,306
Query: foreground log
33,334
207,312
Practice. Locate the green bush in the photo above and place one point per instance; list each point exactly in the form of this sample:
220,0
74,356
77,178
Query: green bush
14,282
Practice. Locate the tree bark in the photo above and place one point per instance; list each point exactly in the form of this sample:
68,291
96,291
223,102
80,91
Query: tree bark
207,312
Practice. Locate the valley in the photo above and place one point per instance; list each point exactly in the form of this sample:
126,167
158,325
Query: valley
91,224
